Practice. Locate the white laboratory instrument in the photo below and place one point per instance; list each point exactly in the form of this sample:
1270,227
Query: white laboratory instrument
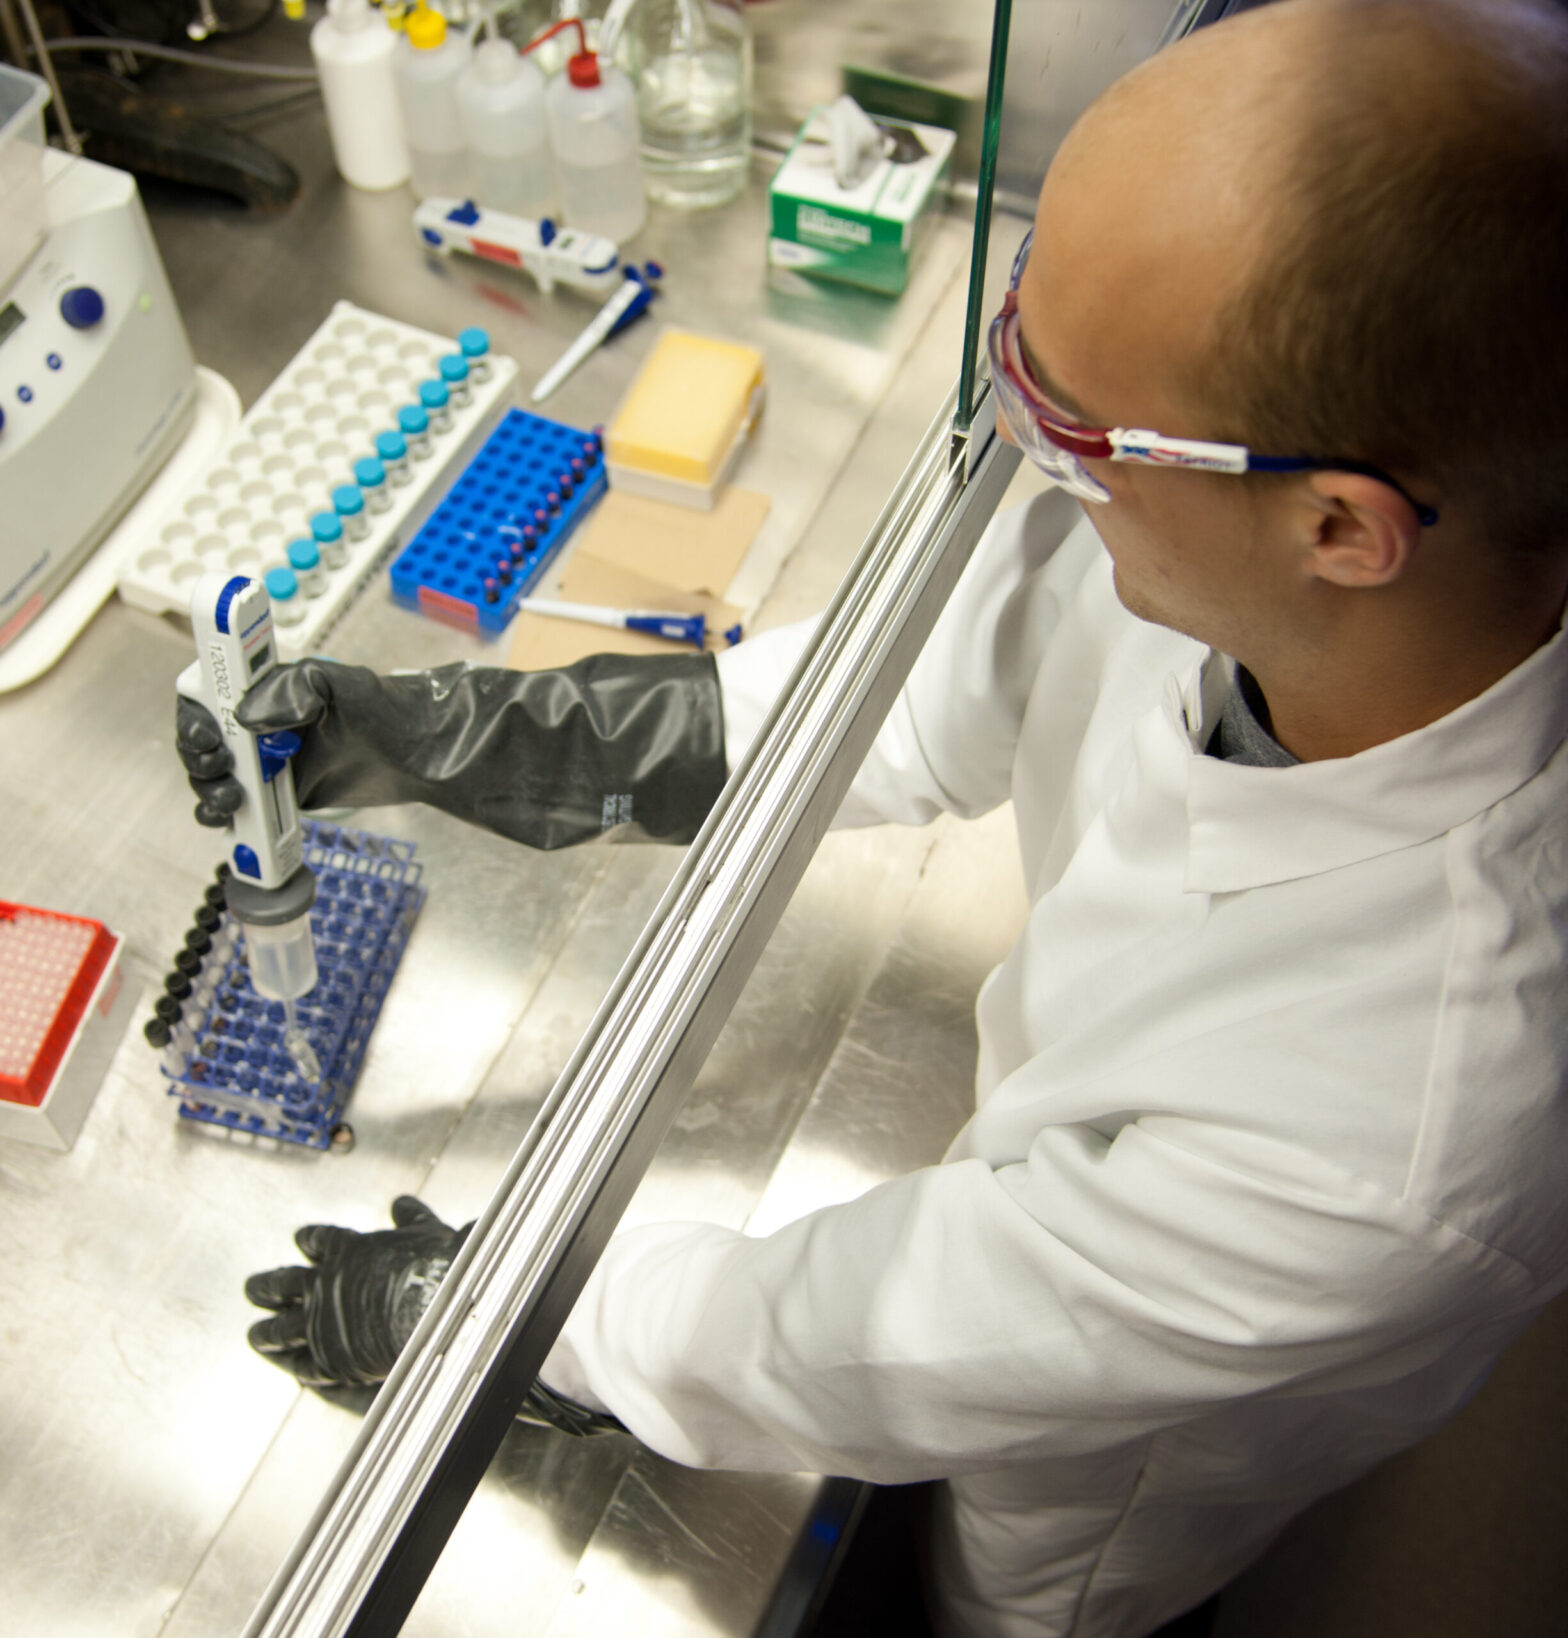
552,254
270,890
97,381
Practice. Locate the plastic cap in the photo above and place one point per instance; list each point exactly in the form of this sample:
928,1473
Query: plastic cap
390,446
583,70
281,584
370,473
412,419
325,527
432,395
348,500
474,342
426,29
303,556
454,370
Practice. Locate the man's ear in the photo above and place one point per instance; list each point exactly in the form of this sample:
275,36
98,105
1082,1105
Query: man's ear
1366,531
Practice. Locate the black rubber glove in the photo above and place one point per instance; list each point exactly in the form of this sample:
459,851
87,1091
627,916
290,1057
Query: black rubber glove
208,764
626,743
342,1321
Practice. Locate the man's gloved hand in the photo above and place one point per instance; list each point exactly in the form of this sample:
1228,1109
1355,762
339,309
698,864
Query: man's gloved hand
208,764
633,743
343,1320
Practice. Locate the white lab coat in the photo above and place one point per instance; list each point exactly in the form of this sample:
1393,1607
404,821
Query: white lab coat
1267,1163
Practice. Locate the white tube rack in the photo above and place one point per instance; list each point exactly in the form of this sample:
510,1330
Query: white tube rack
298,443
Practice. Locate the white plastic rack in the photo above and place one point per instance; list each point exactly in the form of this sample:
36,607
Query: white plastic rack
298,444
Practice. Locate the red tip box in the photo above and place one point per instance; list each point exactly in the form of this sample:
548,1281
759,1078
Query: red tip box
62,1011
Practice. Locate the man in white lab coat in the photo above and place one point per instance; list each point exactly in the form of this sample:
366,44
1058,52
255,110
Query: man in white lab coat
1267,1161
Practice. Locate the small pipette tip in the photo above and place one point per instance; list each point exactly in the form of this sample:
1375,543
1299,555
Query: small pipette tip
297,1044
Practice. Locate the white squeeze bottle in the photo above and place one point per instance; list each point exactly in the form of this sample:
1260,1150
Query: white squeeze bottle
430,60
500,101
354,50
592,113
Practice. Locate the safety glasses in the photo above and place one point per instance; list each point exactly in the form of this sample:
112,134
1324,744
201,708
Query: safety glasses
1059,445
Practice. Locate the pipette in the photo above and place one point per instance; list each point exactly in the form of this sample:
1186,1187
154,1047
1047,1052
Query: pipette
637,289
271,889
678,628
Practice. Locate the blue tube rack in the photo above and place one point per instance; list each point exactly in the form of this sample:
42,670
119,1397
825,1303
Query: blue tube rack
488,543
368,895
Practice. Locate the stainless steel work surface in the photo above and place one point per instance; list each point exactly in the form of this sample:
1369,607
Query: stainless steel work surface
153,1471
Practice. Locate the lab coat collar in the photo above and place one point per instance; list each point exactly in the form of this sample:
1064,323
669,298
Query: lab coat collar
1249,827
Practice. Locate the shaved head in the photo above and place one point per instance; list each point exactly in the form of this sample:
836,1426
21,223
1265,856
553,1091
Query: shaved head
1363,208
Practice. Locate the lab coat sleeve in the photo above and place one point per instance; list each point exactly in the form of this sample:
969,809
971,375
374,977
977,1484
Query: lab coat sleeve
949,740
962,1318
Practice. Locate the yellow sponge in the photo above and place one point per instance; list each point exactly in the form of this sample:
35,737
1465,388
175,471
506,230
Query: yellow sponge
686,412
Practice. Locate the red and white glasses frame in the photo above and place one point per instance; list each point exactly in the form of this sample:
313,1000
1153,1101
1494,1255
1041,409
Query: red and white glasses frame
1059,445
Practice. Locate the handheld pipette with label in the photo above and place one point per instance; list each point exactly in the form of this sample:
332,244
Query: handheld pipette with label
270,890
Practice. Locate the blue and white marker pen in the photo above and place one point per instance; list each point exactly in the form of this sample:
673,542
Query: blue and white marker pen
678,628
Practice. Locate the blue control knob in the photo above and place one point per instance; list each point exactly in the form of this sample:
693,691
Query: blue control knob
276,749
81,307
2,420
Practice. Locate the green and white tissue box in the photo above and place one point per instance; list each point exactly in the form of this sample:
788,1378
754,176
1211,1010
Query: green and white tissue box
867,234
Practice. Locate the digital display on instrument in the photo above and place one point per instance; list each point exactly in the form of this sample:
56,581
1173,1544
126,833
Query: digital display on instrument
10,317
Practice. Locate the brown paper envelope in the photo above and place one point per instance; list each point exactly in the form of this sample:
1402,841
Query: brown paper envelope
674,545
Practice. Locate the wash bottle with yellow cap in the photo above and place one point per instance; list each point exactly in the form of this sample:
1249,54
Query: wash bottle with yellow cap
430,60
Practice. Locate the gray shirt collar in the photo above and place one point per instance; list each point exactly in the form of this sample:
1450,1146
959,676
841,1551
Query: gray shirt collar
1241,735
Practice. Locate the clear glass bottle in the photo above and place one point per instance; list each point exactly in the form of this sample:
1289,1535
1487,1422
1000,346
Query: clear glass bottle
693,60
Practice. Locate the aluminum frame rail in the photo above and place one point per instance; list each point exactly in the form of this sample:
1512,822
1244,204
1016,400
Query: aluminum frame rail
438,1421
